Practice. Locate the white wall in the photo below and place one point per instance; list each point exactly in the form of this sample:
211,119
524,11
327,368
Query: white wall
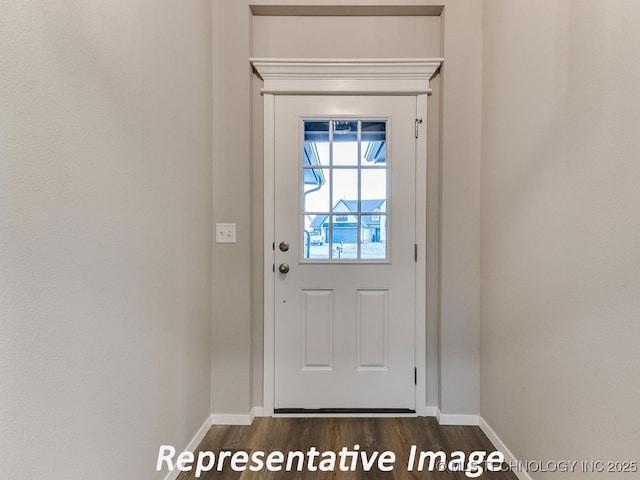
561,229
232,372
105,231
345,36
461,92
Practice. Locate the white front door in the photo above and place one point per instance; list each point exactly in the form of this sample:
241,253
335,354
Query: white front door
344,253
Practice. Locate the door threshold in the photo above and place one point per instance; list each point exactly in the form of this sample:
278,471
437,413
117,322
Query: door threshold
344,411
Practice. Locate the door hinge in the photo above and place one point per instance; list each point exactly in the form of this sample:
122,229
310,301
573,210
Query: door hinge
415,252
418,123
415,375
273,246
273,267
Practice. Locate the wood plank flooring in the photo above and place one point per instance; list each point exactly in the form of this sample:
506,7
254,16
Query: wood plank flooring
332,434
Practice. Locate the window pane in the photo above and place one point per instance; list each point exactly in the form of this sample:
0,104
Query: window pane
374,130
374,190
374,144
345,190
374,237
345,130
345,237
316,142
316,130
316,189
315,236
345,142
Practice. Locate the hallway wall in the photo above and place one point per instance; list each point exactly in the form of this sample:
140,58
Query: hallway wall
105,234
561,229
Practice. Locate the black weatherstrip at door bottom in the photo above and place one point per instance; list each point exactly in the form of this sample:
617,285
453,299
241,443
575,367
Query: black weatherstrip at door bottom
318,411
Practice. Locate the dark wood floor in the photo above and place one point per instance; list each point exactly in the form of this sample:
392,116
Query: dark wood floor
331,434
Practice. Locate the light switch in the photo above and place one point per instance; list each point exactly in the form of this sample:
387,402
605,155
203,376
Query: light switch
225,233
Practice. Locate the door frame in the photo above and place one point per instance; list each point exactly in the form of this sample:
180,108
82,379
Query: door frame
345,77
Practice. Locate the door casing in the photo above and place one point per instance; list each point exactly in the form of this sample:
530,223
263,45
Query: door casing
352,77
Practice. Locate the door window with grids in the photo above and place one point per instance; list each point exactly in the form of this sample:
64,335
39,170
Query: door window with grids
345,189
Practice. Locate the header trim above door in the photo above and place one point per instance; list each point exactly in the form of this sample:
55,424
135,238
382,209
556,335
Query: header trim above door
299,76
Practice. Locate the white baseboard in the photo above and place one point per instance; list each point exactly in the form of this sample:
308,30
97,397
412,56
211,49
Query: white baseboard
451,419
193,444
234,419
259,411
430,411
509,458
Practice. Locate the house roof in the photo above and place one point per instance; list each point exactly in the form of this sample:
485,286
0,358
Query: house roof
367,205
318,221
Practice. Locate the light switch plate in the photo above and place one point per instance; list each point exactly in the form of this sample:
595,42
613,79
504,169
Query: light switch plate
225,233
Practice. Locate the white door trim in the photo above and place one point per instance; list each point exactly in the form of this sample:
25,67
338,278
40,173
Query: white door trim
353,77
299,76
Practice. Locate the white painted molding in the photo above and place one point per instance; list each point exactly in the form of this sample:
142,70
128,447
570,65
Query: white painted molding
430,411
259,412
193,444
453,419
509,457
300,76
268,383
420,284
234,419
